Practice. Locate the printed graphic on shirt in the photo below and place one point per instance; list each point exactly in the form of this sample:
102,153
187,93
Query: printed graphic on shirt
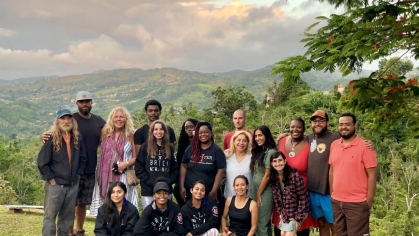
321,147
198,220
313,145
159,163
179,218
215,211
161,224
206,160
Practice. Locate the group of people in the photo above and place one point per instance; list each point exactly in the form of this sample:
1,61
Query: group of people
293,182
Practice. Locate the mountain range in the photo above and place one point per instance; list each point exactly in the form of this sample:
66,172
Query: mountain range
28,105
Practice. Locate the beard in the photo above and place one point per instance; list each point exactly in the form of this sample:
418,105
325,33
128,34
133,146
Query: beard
322,131
348,135
85,112
67,128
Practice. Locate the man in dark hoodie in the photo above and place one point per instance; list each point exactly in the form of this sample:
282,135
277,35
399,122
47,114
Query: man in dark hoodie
200,213
162,216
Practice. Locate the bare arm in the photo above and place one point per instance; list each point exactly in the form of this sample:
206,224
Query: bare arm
372,180
331,179
225,214
182,176
221,173
254,210
263,184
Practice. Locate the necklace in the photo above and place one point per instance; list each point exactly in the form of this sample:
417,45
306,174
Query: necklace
292,152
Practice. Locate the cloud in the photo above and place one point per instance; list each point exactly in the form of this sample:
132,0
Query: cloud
6,32
63,38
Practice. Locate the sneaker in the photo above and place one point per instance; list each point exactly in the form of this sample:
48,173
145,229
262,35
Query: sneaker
80,232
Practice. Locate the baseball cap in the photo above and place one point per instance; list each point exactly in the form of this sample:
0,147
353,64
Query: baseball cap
161,186
63,112
83,95
319,113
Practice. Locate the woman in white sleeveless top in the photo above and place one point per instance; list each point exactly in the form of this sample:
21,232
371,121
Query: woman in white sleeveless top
238,161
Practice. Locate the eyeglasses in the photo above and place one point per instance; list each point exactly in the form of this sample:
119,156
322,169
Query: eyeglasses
318,121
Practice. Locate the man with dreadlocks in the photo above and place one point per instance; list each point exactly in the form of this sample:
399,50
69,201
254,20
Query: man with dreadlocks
61,162
203,160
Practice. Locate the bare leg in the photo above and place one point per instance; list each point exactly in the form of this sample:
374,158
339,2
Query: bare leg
80,216
324,227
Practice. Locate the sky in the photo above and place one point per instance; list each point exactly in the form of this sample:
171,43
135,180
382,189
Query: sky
50,37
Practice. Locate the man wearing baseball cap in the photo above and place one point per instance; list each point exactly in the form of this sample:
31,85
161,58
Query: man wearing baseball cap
61,165
162,215
318,171
90,126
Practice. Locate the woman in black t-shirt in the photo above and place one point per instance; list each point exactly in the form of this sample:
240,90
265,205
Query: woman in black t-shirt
185,137
241,210
203,160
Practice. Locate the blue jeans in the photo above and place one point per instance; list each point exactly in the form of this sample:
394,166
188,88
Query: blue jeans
59,200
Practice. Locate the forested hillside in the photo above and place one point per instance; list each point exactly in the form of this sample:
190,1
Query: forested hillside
27,105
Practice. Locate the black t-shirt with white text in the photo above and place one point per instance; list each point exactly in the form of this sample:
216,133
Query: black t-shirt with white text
211,160
141,135
91,131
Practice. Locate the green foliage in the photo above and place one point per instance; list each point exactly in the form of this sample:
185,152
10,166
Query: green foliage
367,31
7,194
394,66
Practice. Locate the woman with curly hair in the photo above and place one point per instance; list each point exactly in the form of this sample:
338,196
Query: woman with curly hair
116,155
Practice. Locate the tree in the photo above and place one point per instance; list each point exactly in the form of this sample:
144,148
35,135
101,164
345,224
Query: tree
227,100
281,92
367,31
394,66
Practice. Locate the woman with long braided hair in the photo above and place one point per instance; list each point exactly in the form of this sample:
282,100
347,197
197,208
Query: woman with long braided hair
203,160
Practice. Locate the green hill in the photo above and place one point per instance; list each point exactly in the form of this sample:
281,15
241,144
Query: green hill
27,105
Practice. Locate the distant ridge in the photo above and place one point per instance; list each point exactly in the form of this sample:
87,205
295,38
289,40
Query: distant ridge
27,104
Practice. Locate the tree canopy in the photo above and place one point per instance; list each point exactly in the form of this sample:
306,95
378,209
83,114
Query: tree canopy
365,32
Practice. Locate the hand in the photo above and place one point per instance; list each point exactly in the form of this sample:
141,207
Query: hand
52,182
369,144
213,195
45,136
122,166
182,191
369,202
259,200
281,136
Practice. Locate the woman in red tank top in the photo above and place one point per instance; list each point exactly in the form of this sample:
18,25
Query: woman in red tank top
296,150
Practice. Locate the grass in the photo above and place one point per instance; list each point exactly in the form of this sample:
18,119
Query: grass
29,223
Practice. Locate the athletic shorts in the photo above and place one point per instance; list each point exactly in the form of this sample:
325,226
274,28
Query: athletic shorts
321,206
86,185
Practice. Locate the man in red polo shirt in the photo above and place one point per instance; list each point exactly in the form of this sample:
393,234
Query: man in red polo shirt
239,120
352,178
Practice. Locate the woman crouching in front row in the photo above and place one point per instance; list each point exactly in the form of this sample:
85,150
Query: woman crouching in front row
289,194
117,216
